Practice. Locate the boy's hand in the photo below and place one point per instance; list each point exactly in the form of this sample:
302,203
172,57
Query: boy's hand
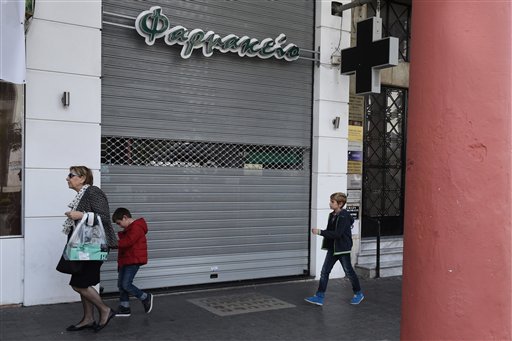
315,231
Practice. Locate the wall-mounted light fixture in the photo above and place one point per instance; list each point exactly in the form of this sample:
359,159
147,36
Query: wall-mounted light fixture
65,99
337,8
336,122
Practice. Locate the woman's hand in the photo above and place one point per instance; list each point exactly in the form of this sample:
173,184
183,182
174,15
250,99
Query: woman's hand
315,231
74,215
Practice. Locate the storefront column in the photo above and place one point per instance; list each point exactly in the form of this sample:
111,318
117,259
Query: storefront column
330,144
457,239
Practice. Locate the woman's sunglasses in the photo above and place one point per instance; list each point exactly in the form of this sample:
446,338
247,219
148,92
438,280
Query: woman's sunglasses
71,175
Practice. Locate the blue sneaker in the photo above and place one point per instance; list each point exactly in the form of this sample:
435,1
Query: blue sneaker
358,297
318,300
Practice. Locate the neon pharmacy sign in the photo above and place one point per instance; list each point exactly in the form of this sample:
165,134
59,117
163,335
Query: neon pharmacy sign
152,25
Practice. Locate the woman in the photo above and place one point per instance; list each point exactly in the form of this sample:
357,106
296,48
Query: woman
89,198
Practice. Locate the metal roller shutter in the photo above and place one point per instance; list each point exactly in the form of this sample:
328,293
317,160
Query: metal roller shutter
213,152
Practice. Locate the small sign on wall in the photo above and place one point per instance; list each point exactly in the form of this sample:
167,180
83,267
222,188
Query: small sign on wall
353,209
355,227
356,108
355,133
355,162
353,196
354,181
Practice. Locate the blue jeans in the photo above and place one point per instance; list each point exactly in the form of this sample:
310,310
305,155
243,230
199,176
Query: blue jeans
329,262
125,283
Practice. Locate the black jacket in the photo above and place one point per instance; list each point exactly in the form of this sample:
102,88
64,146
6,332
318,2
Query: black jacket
338,235
95,200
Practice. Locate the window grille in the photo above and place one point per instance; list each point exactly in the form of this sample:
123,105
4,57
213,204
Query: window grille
396,22
131,151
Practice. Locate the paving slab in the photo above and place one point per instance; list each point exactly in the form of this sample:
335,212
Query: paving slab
259,312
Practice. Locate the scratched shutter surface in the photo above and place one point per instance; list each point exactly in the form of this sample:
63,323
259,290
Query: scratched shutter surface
222,221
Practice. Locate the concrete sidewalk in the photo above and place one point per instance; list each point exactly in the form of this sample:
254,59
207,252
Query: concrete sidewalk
279,312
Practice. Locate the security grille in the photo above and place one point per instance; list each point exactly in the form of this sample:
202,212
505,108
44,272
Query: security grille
384,155
197,154
214,152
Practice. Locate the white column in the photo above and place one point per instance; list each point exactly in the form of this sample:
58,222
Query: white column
63,54
330,145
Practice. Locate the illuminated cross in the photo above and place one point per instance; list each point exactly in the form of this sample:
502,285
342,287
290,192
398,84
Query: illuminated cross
369,56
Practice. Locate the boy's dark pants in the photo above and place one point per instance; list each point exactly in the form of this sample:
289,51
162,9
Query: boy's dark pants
125,283
329,262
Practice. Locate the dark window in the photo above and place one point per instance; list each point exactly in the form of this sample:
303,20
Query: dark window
11,153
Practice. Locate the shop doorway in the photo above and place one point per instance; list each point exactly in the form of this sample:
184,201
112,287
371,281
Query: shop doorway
214,152
384,162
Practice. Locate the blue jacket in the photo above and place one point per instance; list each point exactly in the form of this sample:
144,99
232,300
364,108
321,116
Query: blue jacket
338,235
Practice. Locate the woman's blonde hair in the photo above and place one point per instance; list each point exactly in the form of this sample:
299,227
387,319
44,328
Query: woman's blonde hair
83,171
340,198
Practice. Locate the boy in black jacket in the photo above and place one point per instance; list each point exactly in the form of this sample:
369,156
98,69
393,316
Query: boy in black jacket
338,243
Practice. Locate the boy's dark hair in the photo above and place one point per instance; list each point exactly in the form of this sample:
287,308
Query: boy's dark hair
120,213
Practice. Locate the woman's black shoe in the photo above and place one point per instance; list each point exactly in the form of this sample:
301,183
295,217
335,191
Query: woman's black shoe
99,327
73,328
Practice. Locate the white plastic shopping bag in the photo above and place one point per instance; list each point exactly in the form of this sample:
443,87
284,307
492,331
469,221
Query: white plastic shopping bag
88,240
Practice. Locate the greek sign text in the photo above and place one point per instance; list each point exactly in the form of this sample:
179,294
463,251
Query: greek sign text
153,24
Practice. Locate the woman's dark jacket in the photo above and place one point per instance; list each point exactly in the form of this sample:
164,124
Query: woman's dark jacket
95,200
338,235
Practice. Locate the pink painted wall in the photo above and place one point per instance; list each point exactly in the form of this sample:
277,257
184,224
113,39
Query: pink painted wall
458,216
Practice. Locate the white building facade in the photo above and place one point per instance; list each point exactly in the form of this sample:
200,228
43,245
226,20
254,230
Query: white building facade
66,52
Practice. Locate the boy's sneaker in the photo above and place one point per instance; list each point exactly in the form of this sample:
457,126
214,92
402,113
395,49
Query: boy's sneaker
358,297
315,300
148,303
123,311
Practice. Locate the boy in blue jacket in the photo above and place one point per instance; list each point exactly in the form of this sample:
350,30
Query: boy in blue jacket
338,243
